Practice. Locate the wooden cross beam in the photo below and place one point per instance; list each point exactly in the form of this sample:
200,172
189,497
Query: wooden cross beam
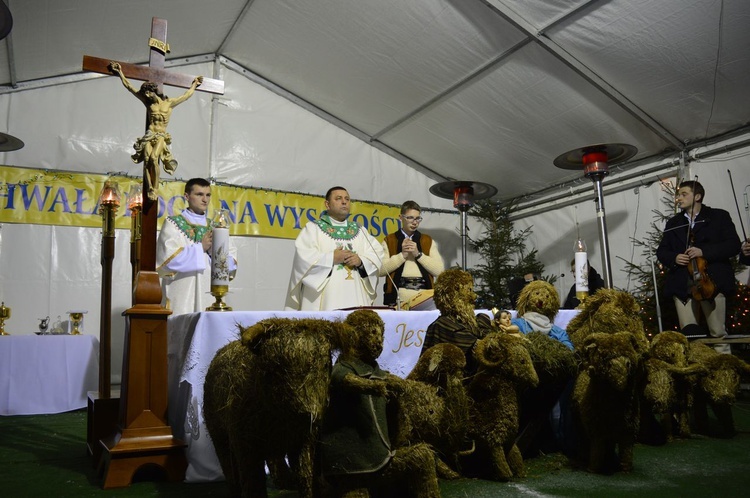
154,72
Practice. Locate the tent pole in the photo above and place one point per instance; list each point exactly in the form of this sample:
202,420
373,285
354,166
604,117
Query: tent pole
603,237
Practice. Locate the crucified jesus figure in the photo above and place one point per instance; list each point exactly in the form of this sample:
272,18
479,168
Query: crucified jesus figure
153,147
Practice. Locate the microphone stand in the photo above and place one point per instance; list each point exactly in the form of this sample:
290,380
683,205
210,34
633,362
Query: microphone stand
388,275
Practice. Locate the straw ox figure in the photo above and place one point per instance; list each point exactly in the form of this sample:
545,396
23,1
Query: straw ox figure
265,397
605,401
717,387
668,390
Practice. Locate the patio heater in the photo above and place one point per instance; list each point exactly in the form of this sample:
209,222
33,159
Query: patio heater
463,193
9,142
595,161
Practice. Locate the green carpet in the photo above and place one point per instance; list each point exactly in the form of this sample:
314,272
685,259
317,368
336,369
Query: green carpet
44,455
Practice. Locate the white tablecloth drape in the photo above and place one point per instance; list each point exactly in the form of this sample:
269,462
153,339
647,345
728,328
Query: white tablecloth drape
195,338
47,373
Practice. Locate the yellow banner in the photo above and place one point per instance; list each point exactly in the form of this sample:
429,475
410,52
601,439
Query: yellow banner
45,197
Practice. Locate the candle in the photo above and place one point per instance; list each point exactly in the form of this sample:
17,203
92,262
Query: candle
220,257
581,270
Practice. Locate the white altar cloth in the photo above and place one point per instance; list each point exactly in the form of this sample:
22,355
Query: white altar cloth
195,338
47,373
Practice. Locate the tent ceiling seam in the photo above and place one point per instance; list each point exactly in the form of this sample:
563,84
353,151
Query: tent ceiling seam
578,197
584,71
667,165
339,123
452,90
11,60
240,17
85,76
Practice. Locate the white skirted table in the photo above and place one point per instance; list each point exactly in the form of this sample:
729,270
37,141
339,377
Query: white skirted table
47,373
195,338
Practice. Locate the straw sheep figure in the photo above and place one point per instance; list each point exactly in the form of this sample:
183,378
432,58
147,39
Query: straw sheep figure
264,400
608,311
434,407
605,401
505,369
668,390
717,388
356,453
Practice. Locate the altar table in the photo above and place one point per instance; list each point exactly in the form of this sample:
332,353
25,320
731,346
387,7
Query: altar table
47,373
195,338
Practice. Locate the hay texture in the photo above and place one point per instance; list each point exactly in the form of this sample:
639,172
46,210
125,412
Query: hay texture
668,390
434,406
505,369
453,291
717,387
608,311
605,401
539,296
264,398
554,362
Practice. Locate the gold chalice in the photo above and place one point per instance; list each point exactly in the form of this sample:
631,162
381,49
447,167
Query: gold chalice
4,315
76,319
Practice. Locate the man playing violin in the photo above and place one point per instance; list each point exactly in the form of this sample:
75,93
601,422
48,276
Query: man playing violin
696,249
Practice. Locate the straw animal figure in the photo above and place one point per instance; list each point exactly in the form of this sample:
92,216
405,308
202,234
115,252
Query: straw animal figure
505,369
357,457
434,407
540,297
553,361
669,382
717,388
264,400
605,401
608,311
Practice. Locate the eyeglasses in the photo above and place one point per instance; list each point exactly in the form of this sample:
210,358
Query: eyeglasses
412,218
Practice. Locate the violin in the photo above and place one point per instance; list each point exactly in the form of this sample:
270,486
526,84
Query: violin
700,284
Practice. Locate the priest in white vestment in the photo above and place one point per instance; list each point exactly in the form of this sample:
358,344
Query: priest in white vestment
183,253
336,262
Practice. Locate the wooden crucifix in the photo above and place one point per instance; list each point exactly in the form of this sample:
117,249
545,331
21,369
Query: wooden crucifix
154,73
142,435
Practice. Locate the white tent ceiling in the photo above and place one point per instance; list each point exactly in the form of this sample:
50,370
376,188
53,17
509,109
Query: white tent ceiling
483,90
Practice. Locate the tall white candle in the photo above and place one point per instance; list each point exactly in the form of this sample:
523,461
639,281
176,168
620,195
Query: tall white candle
581,270
220,257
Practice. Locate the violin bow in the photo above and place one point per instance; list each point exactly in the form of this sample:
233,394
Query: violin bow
744,235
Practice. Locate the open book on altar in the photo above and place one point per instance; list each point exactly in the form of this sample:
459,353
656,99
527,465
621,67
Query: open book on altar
423,301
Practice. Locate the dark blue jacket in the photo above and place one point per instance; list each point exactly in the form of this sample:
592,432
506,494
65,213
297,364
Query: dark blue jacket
714,233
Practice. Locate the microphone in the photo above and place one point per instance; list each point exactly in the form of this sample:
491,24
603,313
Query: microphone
388,275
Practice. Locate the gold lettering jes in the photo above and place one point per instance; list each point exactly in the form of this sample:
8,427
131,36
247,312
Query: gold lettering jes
408,338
